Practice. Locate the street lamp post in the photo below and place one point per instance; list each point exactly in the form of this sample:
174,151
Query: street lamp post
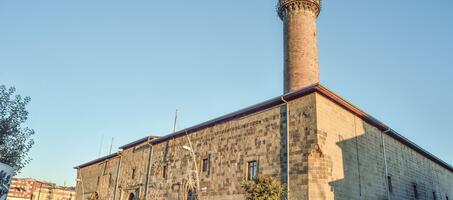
40,187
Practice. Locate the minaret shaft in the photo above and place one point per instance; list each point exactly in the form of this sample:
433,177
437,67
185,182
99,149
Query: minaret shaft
301,67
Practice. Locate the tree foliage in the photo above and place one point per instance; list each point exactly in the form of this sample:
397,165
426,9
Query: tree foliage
15,139
264,188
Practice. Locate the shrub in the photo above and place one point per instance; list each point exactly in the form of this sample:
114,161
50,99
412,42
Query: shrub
264,188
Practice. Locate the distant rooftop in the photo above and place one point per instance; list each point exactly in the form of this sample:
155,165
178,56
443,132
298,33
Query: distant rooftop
45,183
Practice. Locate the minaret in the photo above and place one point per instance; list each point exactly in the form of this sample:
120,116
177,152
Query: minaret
300,42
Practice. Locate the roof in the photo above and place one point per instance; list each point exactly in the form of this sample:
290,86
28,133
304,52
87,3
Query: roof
129,145
386,129
35,180
101,159
288,97
241,113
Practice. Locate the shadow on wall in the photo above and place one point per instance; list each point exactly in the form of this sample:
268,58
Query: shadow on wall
364,169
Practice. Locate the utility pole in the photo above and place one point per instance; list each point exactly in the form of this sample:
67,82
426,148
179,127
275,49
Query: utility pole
100,146
111,144
176,119
40,187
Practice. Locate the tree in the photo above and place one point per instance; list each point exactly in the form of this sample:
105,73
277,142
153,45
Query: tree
15,139
263,188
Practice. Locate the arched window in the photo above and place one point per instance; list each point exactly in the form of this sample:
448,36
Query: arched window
94,196
131,196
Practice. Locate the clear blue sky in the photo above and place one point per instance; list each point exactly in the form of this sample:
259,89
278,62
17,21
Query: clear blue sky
121,68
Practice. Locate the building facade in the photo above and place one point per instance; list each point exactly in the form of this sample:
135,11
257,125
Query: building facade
32,189
315,142
335,152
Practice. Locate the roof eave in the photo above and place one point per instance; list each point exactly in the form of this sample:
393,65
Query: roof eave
288,97
101,159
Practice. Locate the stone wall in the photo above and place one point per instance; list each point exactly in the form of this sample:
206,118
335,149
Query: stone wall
353,155
333,155
229,146
97,179
133,170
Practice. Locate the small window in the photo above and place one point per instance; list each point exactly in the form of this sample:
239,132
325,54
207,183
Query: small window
98,181
133,173
205,167
110,179
252,170
434,195
414,187
389,182
164,172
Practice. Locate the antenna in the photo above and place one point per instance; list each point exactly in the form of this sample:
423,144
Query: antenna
100,147
176,119
111,144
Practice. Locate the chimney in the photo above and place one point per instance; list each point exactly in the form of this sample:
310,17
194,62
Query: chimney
300,42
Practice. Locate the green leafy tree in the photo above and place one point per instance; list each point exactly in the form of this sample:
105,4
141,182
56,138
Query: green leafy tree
15,139
264,188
